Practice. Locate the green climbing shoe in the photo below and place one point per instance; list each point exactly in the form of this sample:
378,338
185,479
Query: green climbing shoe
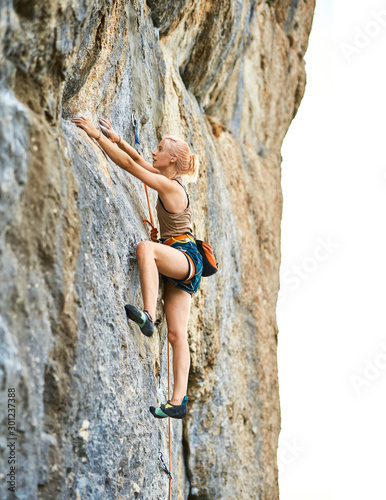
169,410
143,319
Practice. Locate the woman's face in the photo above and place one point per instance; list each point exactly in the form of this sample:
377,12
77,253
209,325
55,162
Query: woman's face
161,156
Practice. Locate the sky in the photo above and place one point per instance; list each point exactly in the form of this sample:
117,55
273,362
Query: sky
332,300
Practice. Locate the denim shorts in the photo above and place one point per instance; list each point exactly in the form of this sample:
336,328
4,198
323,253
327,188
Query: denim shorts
190,249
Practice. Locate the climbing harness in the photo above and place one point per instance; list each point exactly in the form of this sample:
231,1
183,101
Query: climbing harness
151,223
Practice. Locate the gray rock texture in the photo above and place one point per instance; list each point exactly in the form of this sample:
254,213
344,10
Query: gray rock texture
228,76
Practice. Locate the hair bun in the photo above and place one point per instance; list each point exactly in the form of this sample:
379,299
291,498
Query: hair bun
187,163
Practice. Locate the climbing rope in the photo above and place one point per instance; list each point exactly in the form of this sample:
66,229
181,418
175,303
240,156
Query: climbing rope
170,430
164,466
137,147
151,223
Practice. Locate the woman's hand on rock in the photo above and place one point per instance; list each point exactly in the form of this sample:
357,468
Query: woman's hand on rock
87,125
109,131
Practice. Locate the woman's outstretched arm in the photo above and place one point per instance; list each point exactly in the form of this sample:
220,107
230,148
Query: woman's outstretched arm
117,139
154,180
124,146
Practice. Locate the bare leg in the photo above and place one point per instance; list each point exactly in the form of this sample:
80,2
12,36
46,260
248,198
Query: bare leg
153,258
177,308
148,275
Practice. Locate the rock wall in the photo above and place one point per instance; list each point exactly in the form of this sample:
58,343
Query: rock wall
228,76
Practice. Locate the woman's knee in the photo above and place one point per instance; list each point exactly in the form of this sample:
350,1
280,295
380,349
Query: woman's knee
144,248
175,336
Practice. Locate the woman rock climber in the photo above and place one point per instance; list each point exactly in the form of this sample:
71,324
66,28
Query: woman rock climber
176,259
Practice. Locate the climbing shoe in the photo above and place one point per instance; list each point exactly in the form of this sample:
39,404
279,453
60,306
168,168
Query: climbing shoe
142,318
169,410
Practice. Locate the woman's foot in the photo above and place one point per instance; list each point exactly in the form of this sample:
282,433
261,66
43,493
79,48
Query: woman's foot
142,318
169,410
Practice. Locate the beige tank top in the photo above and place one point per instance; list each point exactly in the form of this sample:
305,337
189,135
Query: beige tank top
174,224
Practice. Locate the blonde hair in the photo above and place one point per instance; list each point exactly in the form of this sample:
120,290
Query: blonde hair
187,164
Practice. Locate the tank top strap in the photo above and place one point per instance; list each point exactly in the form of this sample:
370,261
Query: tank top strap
186,191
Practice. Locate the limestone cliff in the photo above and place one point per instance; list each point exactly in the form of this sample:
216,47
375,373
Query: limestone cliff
228,76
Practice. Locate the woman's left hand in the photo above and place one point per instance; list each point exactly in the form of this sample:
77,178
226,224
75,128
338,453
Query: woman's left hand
87,125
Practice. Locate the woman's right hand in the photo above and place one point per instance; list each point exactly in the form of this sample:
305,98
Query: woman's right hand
107,128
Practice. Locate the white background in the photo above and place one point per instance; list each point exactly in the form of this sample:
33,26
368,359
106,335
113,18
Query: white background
331,310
